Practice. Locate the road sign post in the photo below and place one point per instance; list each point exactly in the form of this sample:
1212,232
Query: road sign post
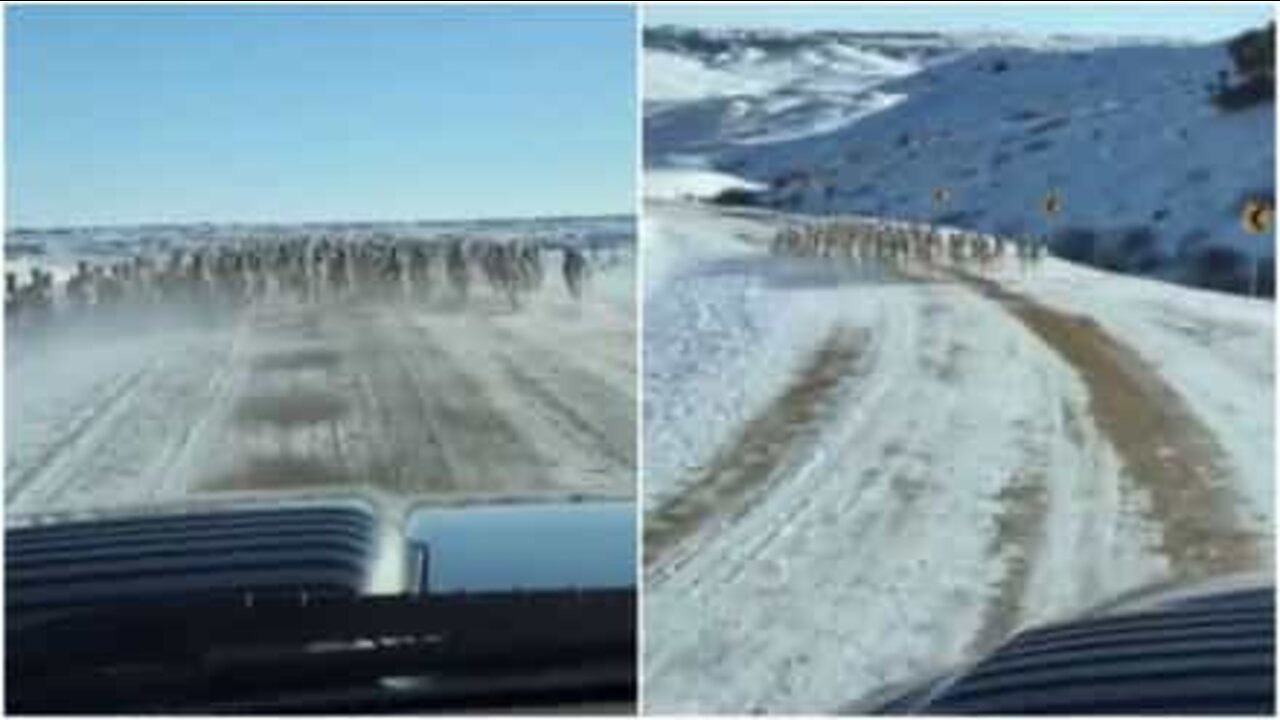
941,197
1257,217
1052,206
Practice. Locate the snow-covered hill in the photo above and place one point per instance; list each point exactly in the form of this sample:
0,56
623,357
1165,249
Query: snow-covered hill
703,88
1151,174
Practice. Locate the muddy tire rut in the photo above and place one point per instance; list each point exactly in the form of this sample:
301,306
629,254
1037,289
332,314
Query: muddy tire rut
1163,448
748,464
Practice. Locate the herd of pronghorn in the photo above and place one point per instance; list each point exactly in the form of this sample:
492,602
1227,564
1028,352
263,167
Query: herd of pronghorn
903,246
305,269
314,269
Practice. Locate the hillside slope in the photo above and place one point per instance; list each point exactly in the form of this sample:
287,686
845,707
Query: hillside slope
1150,173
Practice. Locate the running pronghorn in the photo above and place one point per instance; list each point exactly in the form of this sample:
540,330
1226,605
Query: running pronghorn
574,268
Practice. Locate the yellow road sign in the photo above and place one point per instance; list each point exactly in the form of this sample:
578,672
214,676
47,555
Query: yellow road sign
1052,203
1257,215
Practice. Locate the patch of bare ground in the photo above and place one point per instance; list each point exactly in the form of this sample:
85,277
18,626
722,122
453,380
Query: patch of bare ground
283,472
298,408
1023,505
299,359
747,463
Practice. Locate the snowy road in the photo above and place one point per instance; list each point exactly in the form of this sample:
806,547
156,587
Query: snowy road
905,471
382,397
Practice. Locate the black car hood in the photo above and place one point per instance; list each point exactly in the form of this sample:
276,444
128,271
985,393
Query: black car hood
332,547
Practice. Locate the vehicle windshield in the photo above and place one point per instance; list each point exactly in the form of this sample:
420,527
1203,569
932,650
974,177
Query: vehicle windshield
313,298
982,301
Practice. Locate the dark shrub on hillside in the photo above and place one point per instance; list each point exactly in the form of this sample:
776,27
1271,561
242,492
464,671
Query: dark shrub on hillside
1220,268
1045,126
958,218
1244,95
1133,249
1024,115
1010,227
1000,65
1253,54
1137,250
1199,175
1267,278
737,196
1076,244
1189,244
1036,146
791,177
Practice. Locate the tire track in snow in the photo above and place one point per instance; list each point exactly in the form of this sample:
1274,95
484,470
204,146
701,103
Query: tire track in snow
121,445
580,393
1022,501
486,450
393,410
574,413
406,447
748,464
1023,508
1165,450
80,430
168,470
435,427
595,438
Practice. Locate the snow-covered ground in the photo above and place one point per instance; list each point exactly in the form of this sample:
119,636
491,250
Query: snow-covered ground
393,398
1125,133
852,478
697,99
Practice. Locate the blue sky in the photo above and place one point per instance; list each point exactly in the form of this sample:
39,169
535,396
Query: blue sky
1181,20
120,115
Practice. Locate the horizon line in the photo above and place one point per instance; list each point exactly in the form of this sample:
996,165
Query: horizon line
736,26
14,227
